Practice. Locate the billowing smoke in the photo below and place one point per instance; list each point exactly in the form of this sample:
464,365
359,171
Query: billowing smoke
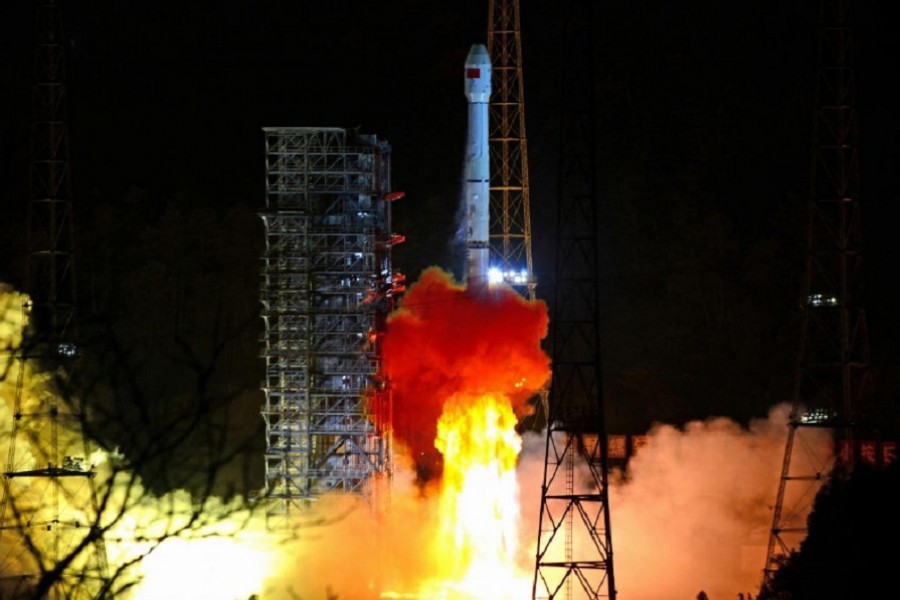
445,341
199,548
693,510
691,513
350,551
697,503
27,391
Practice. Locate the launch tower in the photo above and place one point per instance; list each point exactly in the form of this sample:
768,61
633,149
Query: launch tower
574,556
327,287
832,391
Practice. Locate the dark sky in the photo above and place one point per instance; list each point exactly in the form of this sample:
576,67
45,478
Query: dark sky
704,109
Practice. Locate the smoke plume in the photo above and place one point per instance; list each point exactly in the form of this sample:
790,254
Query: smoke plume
693,509
691,512
444,341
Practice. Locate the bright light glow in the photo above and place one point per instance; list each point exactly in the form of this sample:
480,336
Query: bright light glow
67,349
818,415
203,569
511,277
464,371
479,508
821,300
469,526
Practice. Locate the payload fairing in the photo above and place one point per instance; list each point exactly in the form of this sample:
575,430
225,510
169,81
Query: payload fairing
476,192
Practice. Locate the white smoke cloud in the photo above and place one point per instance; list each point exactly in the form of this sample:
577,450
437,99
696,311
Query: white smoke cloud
693,510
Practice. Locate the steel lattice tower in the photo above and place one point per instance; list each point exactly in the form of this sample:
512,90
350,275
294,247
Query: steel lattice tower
327,287
510,203
831,393
510,212
574,547
48,511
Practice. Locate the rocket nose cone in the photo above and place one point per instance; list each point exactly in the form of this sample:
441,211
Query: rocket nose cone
478,74
478,55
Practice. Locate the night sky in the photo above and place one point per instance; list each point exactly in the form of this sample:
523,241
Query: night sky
704,110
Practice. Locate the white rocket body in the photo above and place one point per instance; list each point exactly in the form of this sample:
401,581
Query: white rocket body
476,193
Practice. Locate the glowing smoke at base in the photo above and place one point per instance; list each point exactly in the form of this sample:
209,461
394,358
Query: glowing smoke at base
692,512
444,342
462,368
479,513
175,546
697,505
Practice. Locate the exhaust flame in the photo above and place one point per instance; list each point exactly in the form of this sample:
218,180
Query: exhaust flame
445,341
462,368
471,363
694,502
479,511
217,567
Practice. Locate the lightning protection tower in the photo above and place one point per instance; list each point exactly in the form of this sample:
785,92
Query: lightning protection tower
831,400
327,287
510,211
51,545
574,546
510,196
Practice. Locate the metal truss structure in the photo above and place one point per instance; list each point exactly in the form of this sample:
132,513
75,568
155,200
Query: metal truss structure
49,546
831,394
574,556
327,287
510,195
510,209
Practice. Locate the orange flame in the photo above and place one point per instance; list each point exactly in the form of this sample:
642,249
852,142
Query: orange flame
479,508
445,342
462,369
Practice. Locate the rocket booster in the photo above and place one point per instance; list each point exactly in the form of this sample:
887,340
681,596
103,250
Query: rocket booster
476,192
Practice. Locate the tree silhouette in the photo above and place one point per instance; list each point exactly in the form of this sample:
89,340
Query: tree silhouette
847,552
164,391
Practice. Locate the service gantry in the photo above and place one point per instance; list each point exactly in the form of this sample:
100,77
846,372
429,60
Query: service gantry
327,288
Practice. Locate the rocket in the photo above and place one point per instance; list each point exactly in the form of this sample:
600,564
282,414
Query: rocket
476,177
